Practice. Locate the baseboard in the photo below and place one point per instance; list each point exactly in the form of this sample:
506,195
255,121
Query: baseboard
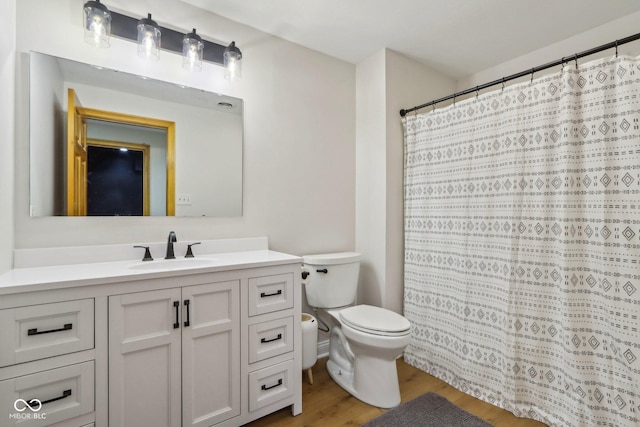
323,349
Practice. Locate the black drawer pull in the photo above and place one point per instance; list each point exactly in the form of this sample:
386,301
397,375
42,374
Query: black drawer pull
322,270
176,304
264,387
264,340
34,331
65,393
264,295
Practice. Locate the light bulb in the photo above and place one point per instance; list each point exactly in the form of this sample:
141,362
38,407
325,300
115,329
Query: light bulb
97,24
148,39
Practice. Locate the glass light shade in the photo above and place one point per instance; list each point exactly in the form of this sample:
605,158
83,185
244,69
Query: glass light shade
192,50
148,39
232,62
97,24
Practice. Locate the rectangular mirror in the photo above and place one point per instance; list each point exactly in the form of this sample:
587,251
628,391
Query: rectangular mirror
108,143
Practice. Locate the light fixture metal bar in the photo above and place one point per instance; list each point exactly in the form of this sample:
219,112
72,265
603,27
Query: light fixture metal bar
125,27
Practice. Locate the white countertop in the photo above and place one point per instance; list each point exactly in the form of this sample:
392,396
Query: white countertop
67,276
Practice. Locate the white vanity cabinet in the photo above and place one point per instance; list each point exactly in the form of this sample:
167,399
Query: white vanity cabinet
46,364
172,352
271,337
129,343
223,351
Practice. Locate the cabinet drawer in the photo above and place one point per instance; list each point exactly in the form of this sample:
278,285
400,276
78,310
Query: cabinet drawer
268,339
62,394
40,331
270,385
270,293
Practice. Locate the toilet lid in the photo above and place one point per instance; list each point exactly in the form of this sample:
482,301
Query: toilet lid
375,320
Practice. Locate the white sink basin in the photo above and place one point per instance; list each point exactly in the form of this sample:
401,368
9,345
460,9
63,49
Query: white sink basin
173,264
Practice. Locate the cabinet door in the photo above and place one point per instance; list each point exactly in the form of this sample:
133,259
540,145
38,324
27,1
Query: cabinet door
211,353
145,359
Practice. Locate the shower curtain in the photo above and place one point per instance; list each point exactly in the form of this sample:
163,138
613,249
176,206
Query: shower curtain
522,245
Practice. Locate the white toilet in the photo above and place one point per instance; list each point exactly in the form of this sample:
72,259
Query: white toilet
365,340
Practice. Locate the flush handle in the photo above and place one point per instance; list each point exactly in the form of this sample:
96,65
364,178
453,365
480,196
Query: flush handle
322,270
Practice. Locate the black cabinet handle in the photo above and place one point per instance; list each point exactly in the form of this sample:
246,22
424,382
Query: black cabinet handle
176,304
186,304
65,393
34,331
264,340
264,295
264,387
322,270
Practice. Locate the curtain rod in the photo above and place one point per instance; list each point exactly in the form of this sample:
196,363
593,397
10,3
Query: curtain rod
531,71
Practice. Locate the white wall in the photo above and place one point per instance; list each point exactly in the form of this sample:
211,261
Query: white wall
597,36
7,115
385,83
299,139
47,135
371,177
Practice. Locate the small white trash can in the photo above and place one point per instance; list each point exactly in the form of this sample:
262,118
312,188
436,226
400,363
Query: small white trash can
309,343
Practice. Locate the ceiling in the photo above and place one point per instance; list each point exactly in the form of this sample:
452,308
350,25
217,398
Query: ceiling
455,37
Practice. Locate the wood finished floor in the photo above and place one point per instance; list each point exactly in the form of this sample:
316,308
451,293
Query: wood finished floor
326,404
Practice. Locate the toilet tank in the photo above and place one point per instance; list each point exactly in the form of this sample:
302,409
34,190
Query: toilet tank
332,279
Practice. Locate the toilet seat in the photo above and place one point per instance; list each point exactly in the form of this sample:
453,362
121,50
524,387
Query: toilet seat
375,320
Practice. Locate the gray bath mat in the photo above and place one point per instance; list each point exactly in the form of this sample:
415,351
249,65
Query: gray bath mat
428,410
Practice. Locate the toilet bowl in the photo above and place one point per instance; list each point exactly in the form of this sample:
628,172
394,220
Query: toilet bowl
364,340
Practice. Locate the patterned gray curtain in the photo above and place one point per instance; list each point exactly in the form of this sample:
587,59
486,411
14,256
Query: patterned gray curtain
522,245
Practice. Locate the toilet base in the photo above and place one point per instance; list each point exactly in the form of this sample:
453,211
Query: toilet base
343,378
364,364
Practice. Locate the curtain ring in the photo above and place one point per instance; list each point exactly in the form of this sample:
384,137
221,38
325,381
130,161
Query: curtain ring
503,84
616,48
562,64
576,59
532,71
477,93
454,99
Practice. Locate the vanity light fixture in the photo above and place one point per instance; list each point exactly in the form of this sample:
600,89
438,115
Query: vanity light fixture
232,65
97,24
100,23
149,38
192,50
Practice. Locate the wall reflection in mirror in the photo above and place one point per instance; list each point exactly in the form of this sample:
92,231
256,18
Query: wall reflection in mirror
108,143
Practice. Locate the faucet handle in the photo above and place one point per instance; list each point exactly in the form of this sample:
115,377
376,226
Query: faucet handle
147,253
189,253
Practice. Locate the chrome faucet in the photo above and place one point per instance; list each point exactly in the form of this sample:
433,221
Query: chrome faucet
172,239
